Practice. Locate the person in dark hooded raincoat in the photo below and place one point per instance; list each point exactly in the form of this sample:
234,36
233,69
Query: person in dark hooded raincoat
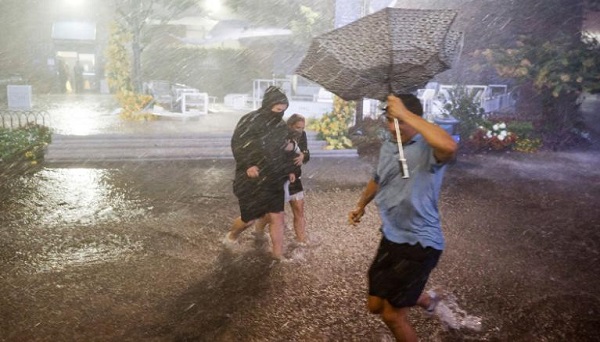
261,150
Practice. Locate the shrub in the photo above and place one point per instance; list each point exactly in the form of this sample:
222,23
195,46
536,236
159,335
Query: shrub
333,127
492,136
132,104
26,144
559,69
463,107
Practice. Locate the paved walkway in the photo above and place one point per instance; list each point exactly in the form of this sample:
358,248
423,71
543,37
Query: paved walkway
87,129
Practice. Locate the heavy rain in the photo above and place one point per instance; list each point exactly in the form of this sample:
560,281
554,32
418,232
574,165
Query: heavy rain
116,170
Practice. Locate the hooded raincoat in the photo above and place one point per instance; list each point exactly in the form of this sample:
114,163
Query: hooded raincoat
259,139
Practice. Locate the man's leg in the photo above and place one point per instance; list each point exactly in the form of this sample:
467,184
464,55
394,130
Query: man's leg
276,225
396,319
237,228
299,220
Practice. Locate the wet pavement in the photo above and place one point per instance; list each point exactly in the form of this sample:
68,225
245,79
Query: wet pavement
131,251
87,129
90,114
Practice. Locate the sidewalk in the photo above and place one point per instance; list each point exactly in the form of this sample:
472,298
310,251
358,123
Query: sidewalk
93,114
87,129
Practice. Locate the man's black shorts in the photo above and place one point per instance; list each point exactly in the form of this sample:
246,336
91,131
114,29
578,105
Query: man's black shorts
399,272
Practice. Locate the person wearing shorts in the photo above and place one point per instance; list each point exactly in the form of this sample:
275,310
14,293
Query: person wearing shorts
294,191
261,150
412,240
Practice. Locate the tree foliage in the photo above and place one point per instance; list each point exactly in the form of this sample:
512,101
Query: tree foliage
557,66
560,70
134,15
119,75
306,18
333,127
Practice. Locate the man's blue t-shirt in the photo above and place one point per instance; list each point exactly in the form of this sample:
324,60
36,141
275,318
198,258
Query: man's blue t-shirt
409,206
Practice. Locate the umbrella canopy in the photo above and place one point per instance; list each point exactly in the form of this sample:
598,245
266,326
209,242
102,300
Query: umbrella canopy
394,50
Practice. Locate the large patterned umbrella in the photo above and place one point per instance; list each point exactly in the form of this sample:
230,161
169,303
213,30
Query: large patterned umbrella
394,50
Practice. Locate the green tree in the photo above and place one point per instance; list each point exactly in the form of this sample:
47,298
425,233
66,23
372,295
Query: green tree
134,15
464,106
305,18
560,70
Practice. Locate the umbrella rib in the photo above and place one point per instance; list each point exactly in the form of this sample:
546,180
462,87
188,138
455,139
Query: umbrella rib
391,63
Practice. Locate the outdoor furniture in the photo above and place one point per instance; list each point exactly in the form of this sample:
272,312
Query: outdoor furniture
161,92
176,100
194,103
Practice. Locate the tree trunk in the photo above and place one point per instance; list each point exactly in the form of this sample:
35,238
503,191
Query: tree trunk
529,101
136,67
359,113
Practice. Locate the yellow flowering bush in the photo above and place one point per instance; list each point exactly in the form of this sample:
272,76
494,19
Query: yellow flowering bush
333,126
25,144
119,76
132,104
528,145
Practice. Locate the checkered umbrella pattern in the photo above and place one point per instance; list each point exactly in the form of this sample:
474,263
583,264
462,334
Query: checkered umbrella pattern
394,50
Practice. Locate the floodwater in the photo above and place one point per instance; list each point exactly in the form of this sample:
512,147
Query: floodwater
131,251
90,114
53,202
81,114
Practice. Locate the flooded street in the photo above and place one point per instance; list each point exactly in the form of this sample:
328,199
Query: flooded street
90,114
131,251
119,232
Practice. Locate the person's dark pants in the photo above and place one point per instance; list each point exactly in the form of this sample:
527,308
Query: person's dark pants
399,272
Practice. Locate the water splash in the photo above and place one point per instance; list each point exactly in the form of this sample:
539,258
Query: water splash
453,317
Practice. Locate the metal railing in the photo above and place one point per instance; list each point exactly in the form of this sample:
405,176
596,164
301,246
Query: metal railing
12,119
491,98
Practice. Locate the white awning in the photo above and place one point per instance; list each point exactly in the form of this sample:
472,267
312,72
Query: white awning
74,30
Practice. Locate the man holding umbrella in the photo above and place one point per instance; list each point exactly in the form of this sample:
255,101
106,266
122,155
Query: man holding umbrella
412,240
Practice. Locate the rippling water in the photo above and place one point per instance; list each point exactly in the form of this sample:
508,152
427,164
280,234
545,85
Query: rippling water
98,114
81,114
48,217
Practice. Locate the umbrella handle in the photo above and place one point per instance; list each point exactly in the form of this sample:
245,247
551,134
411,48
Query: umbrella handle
401,151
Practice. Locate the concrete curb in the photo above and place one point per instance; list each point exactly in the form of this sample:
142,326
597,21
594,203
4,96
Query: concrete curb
113,147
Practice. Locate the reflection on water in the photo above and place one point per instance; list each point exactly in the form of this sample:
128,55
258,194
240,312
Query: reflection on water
92,114
81,114
83,196
77,120
48,216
